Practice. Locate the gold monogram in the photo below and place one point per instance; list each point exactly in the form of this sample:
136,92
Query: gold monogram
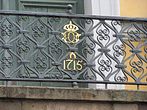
70,35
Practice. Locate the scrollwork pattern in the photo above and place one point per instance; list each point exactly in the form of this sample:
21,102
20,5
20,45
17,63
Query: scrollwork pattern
119,50
7,62
134,33
22,47
136,67
104,65
38,30
100,49
103,34
6,28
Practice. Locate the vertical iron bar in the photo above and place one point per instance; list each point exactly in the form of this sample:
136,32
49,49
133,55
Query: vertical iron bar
106,86
137,86
75,85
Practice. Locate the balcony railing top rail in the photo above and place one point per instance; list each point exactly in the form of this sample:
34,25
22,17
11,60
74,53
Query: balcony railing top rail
72,48
66,15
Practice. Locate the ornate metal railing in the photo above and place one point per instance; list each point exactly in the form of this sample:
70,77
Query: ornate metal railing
72,48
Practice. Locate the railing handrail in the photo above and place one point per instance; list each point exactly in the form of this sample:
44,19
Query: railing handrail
66,15
72,80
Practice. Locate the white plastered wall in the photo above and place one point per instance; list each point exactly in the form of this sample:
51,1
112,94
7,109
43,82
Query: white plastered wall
102,7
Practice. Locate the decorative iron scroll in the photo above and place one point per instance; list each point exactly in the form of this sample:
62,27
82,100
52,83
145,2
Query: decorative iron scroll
86,48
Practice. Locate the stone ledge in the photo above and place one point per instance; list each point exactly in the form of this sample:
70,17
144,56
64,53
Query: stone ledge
72,94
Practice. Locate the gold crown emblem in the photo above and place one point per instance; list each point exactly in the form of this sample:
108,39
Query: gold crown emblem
71,27
70,35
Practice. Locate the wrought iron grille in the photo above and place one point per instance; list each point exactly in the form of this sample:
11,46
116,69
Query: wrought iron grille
72,48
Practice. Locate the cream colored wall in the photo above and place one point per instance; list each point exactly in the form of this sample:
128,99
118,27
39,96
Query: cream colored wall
133,8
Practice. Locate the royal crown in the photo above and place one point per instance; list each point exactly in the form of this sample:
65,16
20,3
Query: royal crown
71,27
